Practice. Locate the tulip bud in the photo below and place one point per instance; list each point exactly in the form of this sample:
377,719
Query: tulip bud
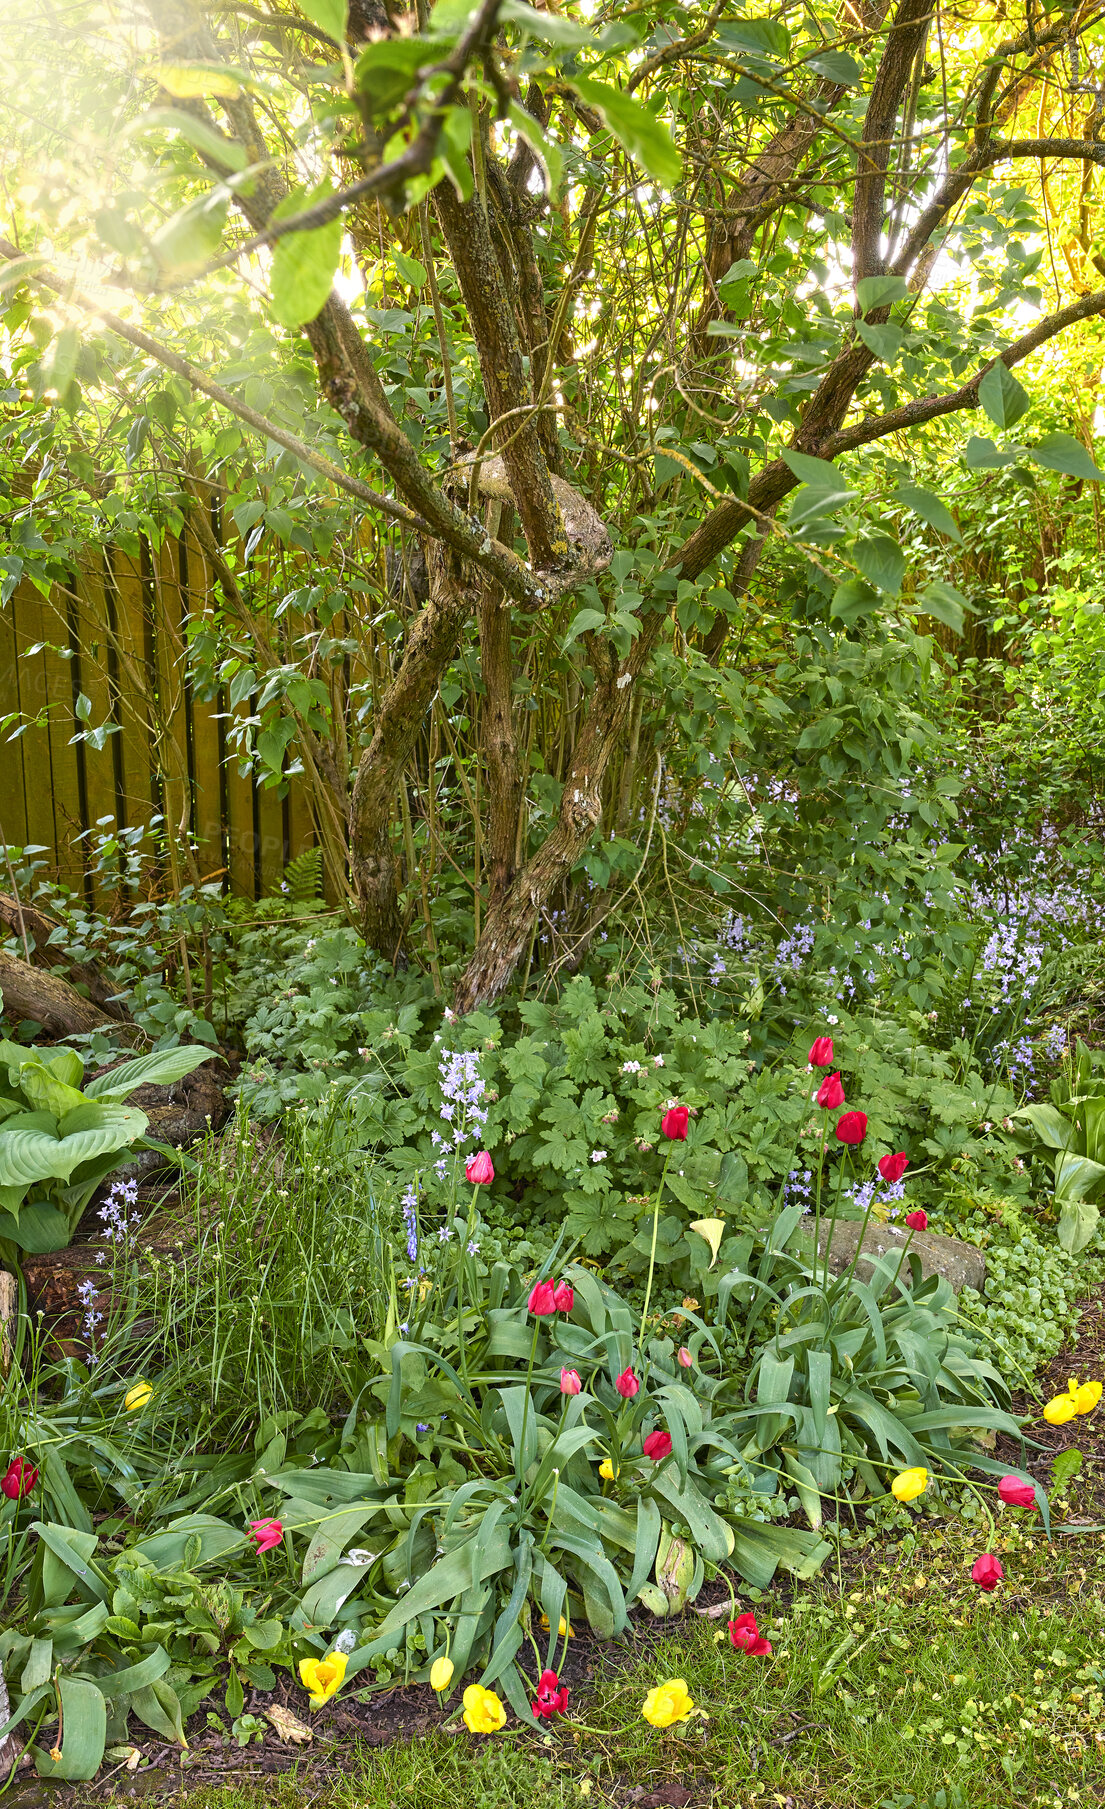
137,1396
851,1127
542,1299
674,1123
892,1168
1016,1493
987,1571
479,1169
683,1358
821,1054
627,1385
918,1220
830,1094
564,1297
441,1674
570,1382
657,1446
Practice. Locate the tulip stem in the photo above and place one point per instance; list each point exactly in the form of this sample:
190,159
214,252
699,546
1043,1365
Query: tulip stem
521,1472
462,1270
652,1252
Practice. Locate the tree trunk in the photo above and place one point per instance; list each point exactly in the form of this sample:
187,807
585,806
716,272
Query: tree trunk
431,643
499,740
34,929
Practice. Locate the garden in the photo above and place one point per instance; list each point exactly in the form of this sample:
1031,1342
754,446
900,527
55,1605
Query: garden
552,905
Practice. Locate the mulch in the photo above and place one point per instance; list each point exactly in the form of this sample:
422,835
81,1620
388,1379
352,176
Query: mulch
1086,1362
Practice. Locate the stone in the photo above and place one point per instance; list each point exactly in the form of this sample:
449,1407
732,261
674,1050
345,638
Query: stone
962,1265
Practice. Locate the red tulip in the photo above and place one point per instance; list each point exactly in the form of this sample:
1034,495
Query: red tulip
479,1169
570,1382
987,1571
627,1385
851,1127
19,1479
821,1055
892,1168
657,1446
542,1300
1016,1493
552,1696
674,1124
746,1636
830,1094
266,1534
564,1297
683,1358
918,1220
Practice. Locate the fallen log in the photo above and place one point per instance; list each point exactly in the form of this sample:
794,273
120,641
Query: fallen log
34,929
43,996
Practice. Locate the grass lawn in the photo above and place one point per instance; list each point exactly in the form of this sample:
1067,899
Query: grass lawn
891,1682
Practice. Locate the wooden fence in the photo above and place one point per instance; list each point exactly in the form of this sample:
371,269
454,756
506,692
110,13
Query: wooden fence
116,637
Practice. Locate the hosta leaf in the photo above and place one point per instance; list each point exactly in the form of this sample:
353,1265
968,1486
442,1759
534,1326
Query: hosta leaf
157,1070
46,1091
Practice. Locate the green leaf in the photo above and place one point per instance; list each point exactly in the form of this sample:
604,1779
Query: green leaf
410,270
879,292
1064,1466
200,135
550,27
544,149
1049,1124
46,1092
1061,452
836,66
930,509
639,131
304,263
585,621
160,1069
882,561
331,16
387,69
945,604
38,1230
886,342
192,237
820,733
983,455
852,601
193,81
1002,396
756,38
83,1732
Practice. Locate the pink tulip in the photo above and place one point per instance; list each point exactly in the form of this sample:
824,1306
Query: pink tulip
674,1123
683,1358
627,1385
746,1636
479,1169
570,1382
821,1055
917,1221
1016,1493
266,1534
564,1297
542,1300
657,1446
830,1094
892,1168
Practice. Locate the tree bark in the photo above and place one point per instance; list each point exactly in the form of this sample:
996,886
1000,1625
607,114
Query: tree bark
499,740
25,920
44,997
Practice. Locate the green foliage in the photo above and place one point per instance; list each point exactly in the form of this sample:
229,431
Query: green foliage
58,1143
1072,1130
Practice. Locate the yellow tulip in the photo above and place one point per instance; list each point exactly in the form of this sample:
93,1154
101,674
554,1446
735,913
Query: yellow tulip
483,1712
1086,1398
562,1629
910,1484
668,1703
441,1674
322,1676
137,1396
607,1471
712,1230
1061,1410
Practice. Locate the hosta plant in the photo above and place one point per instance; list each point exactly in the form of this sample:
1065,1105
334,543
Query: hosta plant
59,1139
1072,1132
